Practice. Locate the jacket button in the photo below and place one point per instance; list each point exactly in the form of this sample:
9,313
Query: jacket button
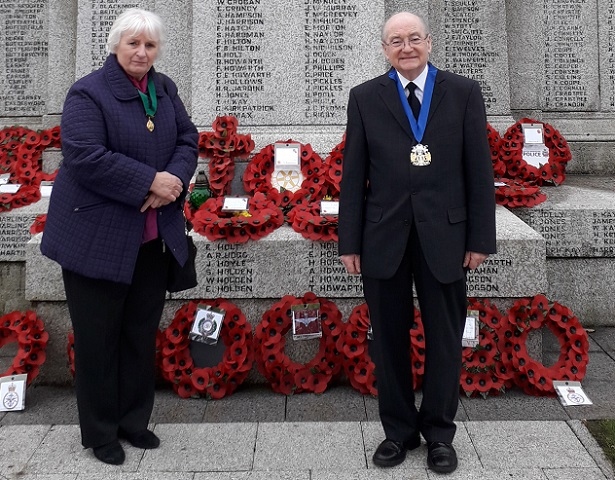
406,223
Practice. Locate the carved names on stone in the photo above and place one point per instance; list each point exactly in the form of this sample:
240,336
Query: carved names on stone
485,280
95,20
327,276
23,57
606,32
14,234
229,270
471,38
284,64
575,233
571,63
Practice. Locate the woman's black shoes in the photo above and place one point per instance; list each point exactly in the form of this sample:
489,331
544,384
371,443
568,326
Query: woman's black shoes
111,453
144,439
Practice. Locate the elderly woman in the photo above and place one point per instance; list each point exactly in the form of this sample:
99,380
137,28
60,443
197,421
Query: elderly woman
115,223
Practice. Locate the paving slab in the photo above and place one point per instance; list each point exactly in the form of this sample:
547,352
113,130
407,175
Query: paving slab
17,445
171,408
371,474
605,338
202,447
592,446
513,405
373,434
138,476
340,403
527,445
46,405
254,403
61,452
252,475
300,446
569,473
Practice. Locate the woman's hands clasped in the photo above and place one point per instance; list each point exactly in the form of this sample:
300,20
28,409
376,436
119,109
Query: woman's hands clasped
166,188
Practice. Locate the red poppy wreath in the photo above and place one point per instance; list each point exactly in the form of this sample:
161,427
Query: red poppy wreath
357,363
529,314
307,218
177,365
260,169
21,151
514,194
552,172
261,218
29,332
482,370
283,374
221,146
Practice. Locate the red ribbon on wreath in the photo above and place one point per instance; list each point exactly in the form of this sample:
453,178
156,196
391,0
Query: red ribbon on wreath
552,172
21,151
28,331
495,144
262,217
177,366
285,375
529,314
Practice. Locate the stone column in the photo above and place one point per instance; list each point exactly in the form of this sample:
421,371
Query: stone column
23,59
470,39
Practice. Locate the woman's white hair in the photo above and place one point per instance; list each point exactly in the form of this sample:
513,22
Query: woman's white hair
134,22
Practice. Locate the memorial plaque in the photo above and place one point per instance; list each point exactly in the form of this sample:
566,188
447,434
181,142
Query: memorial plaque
23,57
327,275
606,33
277,63
470,39
93,24
577,220
14,234
571,56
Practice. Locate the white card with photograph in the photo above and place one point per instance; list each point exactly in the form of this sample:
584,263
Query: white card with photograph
306,321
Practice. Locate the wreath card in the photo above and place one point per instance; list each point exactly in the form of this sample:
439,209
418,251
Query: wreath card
207,324
571,393
13,392
306,321
470,332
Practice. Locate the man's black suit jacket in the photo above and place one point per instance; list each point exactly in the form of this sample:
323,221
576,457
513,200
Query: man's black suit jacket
451,201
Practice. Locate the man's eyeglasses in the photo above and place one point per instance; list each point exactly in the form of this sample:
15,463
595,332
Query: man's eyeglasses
413,42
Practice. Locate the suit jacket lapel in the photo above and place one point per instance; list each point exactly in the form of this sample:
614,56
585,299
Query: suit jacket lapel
439,91
390,97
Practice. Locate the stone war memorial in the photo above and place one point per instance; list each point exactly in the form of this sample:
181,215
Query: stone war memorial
279,72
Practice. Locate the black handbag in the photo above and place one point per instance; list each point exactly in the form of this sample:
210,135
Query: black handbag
182,278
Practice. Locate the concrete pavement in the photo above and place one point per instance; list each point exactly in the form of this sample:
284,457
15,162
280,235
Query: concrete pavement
258,434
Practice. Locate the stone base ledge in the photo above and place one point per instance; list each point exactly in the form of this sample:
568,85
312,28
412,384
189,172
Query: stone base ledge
285,263
578,218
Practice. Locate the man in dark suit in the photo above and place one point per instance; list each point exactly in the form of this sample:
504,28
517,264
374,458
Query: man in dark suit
417,204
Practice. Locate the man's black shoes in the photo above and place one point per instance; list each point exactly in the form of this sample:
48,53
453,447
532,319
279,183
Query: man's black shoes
391,453
441,457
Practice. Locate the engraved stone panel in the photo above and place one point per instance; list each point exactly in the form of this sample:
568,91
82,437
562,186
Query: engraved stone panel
93,23
571,55
577,220
275,63
470,39
606,35
15,231
23,57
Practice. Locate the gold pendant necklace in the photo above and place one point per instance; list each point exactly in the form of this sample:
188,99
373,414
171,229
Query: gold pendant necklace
150,124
